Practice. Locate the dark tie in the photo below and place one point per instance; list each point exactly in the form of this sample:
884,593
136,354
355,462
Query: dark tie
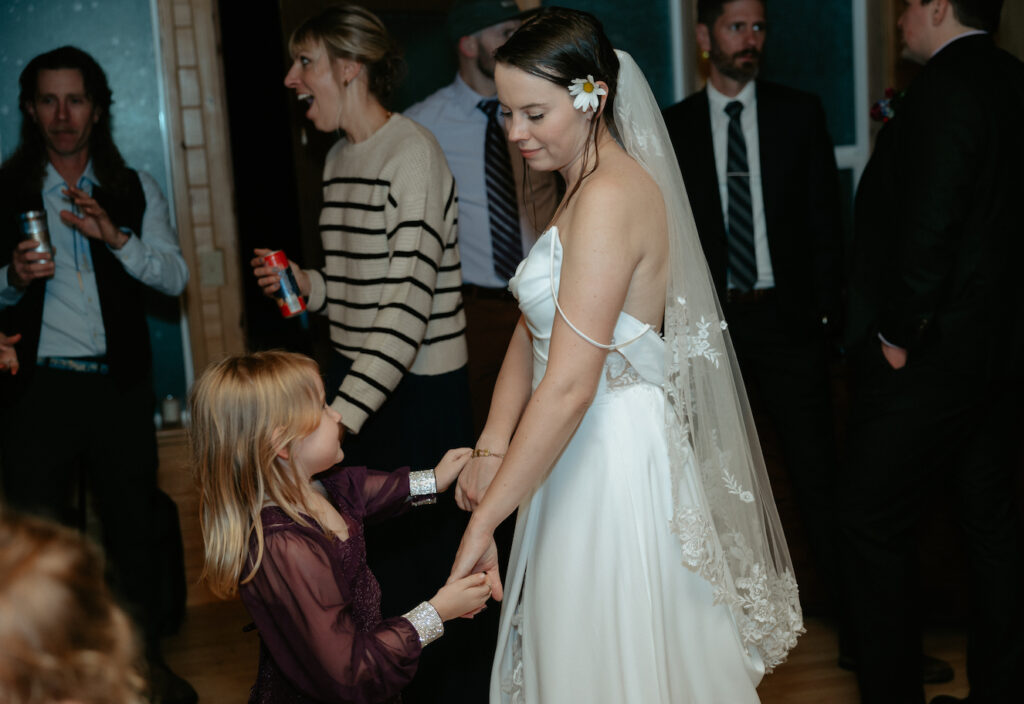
506,243
742,260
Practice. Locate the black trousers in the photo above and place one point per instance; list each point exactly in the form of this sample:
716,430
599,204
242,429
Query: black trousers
787,373
909,428
72,429
412,555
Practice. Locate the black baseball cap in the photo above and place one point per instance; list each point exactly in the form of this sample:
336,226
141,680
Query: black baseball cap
470,16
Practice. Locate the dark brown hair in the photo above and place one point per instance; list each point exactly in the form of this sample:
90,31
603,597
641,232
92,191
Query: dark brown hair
30,158
558,45
976,14
708,11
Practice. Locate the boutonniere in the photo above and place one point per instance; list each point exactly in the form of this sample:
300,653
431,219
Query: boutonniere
885,109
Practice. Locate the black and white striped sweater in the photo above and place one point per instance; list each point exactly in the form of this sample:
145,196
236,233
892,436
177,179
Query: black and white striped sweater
391,281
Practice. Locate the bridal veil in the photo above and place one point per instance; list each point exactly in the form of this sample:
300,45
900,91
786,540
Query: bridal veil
731,535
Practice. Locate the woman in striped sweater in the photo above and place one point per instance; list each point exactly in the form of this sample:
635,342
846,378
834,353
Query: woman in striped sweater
391,290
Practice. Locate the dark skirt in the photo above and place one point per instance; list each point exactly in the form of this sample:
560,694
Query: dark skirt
424,417
412,555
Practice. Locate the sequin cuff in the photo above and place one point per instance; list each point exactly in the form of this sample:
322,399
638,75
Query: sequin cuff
427,623
422,487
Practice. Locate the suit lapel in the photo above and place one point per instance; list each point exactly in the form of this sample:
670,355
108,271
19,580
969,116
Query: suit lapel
771,143
706,189
705,198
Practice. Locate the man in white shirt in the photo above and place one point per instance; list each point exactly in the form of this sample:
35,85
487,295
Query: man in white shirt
458,116
79,413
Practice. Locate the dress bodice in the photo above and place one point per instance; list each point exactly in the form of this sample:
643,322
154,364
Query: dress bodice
636,348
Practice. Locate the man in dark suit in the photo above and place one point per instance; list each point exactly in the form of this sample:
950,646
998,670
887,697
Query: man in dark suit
936,337
761,176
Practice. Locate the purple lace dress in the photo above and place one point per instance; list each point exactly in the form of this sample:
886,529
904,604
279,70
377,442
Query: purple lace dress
317,605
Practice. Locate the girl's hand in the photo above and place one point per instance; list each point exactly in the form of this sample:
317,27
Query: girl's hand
474,480
449,467
478,553
269,278
466,596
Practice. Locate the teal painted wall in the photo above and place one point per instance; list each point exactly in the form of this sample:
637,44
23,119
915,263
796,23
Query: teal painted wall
810,47
640,27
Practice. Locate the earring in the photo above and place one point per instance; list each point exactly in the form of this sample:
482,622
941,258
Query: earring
344,84
705,55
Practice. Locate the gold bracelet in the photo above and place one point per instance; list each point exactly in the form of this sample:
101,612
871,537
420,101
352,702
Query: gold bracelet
483,452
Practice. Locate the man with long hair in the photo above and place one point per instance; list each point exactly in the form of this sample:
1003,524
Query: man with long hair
84,342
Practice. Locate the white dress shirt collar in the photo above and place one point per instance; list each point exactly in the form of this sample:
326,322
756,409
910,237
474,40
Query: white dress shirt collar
465,97
53,179
719,100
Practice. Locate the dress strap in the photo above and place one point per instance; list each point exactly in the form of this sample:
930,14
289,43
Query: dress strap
554,297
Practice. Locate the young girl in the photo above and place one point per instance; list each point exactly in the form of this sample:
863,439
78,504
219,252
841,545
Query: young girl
293,546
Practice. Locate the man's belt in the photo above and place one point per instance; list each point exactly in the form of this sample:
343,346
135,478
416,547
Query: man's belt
86,365
754,295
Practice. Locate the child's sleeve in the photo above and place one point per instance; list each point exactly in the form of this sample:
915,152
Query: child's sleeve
380,495
307,625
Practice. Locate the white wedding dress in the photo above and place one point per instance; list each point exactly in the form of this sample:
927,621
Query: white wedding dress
599,607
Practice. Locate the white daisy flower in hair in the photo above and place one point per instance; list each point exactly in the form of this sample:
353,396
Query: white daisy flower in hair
586,93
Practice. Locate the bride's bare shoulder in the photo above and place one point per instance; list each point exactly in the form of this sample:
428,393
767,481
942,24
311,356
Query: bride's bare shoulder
621,190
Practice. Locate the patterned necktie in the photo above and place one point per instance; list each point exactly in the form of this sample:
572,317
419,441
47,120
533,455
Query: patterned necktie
742,260
506,243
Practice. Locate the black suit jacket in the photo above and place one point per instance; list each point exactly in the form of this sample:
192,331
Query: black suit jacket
939,240
801,197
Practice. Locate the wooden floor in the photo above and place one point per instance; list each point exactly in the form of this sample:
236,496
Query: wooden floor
219,660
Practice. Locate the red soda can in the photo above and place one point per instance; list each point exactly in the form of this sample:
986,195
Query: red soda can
288,297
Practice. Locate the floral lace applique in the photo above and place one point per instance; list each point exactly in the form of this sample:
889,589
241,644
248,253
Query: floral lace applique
735,488
731,484
619,373
771,617
712,531
699,346
693,531
512,683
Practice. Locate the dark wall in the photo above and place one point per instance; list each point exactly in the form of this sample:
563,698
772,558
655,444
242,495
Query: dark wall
266,200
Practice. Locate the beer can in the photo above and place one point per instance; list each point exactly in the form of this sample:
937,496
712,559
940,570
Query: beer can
289,300
33,227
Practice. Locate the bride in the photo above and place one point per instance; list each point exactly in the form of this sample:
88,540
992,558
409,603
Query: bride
648,564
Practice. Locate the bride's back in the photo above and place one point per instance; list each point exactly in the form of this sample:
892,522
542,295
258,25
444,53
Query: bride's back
620,194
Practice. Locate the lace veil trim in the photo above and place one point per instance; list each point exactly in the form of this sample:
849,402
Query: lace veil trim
731,535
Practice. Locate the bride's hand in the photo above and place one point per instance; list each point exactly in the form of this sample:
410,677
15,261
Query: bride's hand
478,553
474,480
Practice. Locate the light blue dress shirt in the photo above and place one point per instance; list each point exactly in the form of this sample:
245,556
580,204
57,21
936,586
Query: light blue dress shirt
460,127
72,323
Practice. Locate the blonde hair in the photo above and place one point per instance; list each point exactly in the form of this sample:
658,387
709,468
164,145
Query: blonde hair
245,410
62,637
353,32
